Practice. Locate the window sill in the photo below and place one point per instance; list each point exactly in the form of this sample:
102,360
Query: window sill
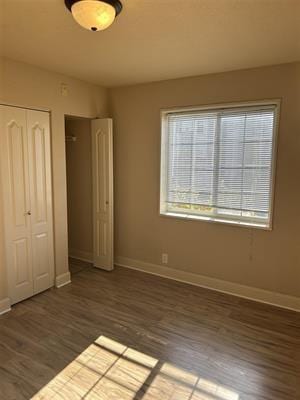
242,224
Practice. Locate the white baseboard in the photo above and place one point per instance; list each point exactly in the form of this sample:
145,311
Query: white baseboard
235,289
81,255
63,279
5,306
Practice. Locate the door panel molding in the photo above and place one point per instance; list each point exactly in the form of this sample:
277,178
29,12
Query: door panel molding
39,171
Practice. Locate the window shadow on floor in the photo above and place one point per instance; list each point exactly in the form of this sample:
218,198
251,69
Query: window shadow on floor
109,370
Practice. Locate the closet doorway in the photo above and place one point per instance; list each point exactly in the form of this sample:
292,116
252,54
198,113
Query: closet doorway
89,165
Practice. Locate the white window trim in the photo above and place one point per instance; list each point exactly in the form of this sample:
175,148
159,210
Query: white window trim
163,159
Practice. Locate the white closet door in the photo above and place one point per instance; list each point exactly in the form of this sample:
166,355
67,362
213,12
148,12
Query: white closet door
39,152
16,199
102,167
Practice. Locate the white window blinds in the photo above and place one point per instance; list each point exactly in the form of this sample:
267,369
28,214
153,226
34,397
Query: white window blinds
218,164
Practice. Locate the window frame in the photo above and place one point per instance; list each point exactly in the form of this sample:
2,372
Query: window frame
164,156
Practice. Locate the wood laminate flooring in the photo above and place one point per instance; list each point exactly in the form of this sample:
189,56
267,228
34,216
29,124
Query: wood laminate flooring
126,335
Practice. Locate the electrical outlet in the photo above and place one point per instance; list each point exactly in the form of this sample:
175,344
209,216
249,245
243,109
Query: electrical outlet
164,258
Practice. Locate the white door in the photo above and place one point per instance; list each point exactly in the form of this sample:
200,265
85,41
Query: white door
26,193
40,194
102,167
16,201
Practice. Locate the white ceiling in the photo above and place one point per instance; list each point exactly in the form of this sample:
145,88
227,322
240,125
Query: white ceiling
154,39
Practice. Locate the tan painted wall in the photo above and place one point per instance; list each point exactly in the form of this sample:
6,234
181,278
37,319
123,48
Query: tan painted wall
28,86
262,259
268,260
79,188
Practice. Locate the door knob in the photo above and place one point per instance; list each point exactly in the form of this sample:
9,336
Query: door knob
28,213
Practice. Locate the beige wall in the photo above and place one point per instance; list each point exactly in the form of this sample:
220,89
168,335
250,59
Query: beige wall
25,85
79,188
262,259
258,258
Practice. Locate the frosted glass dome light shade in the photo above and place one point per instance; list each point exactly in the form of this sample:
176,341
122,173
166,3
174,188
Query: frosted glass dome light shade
94,15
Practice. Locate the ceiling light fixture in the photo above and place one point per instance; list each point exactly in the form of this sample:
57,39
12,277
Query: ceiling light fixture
94,15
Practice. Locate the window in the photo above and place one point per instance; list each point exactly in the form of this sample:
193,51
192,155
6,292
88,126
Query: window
217,163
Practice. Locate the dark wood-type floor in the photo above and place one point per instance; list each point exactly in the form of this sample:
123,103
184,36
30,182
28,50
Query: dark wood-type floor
128,335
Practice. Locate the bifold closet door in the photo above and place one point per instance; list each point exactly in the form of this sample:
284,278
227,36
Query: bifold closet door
102,168
39,157
27,200
16,201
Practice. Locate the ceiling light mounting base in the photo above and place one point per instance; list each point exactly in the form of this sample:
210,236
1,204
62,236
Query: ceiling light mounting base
115,3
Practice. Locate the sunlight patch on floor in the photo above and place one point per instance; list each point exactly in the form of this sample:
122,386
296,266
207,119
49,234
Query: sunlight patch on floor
108,370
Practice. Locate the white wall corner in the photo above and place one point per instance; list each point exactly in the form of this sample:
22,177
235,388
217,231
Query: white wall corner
235,289
63,279
5,305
